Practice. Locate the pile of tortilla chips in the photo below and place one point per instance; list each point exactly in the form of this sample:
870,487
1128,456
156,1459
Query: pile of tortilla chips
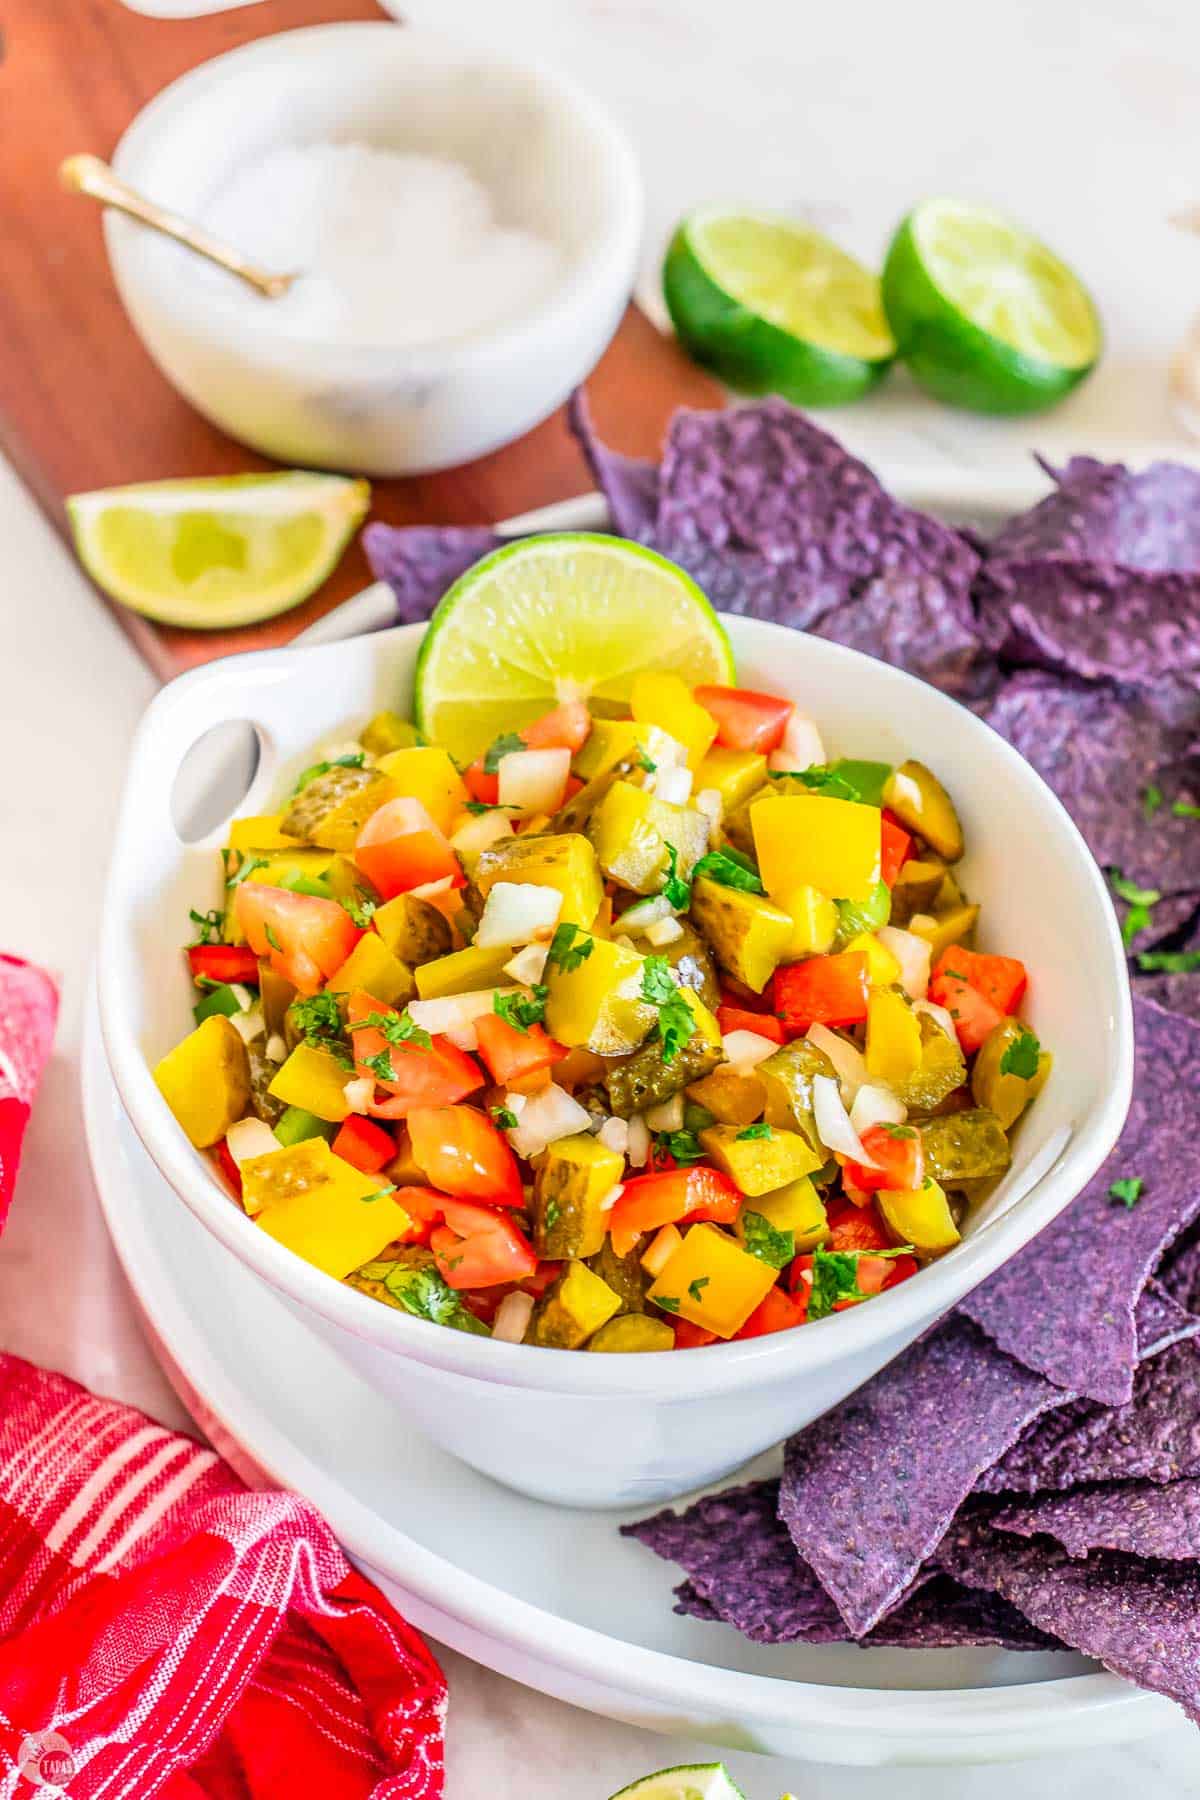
1027,1475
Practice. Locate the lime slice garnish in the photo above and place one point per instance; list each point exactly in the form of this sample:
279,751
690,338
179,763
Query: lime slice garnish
985,315
218,551
572,615
774,307
691,1781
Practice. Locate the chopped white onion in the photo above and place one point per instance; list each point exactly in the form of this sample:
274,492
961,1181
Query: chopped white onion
359,1094
623,940
276,1048
551,1114
613,1195
512,1318
249,1025
801,747
847,1059
644,913
453,1016
710,803
250,1137
912,953
939,1015
673,785
637,1144
515,1102
664,751
876,1105
661,1249
667,931
528,965
833,1122
746,1049
428,889
479,831
614,1135
516,912
534,780
666,1117
242,995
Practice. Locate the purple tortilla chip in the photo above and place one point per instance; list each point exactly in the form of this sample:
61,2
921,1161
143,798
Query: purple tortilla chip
1160,1320
1156,1520
628,483
1103,513
1175,993
420,562
869,1489
1044,1306
911,622
1140,1620
1102,753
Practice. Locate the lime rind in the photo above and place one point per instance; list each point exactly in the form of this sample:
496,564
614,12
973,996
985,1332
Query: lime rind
689,1781
568,614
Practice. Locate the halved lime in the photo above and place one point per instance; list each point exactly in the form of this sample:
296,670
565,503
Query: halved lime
219,550
691,1781
986,317
570,615
775,308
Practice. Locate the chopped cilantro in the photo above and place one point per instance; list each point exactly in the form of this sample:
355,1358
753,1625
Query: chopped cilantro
1140,901
521,1010
248,868
353,761
684,1146
1021,1057
564,952
676,1021
956,975
208,926
730,869
361,907
485,806
1184,809
675,891
1152,799
271,938
423,1292
1169,962
551,1215
400,1030
697,1287
505,1118
763,1240
379,1193
380,1065
642,761
1128,1191
507,744
316,886
822,780
899,1132
668,1302
316,1018
761,1130
835,1277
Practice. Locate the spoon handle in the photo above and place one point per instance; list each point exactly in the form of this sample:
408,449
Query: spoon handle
88,175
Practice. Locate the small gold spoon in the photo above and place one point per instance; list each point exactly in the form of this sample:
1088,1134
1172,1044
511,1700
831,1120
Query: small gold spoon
88,175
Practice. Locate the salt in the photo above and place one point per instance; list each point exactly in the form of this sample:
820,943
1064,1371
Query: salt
393,247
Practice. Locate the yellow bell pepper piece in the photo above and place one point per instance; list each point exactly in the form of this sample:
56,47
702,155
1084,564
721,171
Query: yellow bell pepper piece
322,1207
883,969
815,918
712,1281
797,1208
666,701
260,832
463,972
893,1037
596,1003
315,1081
735,774
806,840
920,1217
205,1080
426,773
372,966
615,741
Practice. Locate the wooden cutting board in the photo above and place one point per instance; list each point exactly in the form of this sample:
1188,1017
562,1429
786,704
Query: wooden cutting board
82,405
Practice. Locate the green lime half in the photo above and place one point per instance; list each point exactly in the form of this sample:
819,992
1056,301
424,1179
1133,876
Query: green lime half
218,551
775,308
691,1781
986,317
570,615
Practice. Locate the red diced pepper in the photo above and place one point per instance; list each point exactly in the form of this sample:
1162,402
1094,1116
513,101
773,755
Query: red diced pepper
691,1337
973,1013
366,1145
779,1311
902,1268
1001,980
894,846
229,1168
223,963
698,1194
824,990
734,1018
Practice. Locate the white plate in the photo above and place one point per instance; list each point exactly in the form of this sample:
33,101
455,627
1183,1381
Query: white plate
549,1597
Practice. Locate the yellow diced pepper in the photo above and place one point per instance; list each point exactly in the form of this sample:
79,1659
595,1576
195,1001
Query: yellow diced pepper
797,1208
596,1003
614,741
315,1081
920,1217
463,971
893,1037
666,700
260,832
883,969
322,1207
807,840
372,966
712,1281
426,773
815,917
735,774
205,1080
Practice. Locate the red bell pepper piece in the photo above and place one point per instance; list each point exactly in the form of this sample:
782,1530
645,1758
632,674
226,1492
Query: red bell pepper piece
305,938
480,785
900,1154
691,1337
223,963
400,848
736,1018
229,1168
902,1269
743,999
697,1194
425,1208
363,1144
894,846
779,1311
438,1075
824,990
953,985
566,727
746,720
478,1247
461,1151
512,1056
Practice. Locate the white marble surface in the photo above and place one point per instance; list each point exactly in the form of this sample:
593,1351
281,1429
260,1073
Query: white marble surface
1081,121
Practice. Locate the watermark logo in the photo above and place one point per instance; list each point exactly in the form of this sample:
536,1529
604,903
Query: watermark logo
45,1759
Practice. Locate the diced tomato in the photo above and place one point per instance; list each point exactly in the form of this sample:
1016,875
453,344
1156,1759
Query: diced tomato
400,848
365,1145
480,785
425,1208
824,990
229,1168
304,937
778,1312
856,1228
974,1016
691,1337
479,1248
460,1150
511,1055
735,1018
746,720
223,962
900,1154
1001,980
648,1201
567,727
437,1076
872,1273
894,846
900,1269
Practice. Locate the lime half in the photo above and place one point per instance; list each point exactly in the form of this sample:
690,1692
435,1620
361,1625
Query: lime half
774,307
986,317
572,615
218,551
692,1781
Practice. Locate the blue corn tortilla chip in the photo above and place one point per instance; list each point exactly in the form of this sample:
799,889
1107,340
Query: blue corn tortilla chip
1141,1620
1176,993
1160,1320
628,483
1064,1305
912,622
1159,1521
869,1489
1104,513
419,562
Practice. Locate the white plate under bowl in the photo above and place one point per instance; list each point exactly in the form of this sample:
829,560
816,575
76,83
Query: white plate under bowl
550,1597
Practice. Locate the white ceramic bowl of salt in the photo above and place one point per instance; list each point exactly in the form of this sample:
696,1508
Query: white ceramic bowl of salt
467,226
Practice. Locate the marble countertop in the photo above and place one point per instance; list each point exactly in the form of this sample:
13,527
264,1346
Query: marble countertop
1082,126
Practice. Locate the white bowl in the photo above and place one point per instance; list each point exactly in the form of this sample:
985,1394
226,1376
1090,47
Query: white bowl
629,1430
555,161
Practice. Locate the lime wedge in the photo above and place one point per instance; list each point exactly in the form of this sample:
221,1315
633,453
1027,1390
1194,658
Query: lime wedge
218,551
775,308
572,615
691,1781
986,317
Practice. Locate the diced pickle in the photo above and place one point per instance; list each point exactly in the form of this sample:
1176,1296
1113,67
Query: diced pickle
315,1080
732,1096
333,808
787,1078
941,1070
796,1207
613,743
404,1170
630,831
760,1164
920,1217
572,1178
644,1079
894,1044
411,1282
276,993
388,731
633,1332
205,1080
463,972
1003,1092
372,967
689,957
915,889
573,815
623,1274
413,929
920,802
596,1003
572,1309
964,1146
735,774
565,861
940,930
262,1073
749,935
